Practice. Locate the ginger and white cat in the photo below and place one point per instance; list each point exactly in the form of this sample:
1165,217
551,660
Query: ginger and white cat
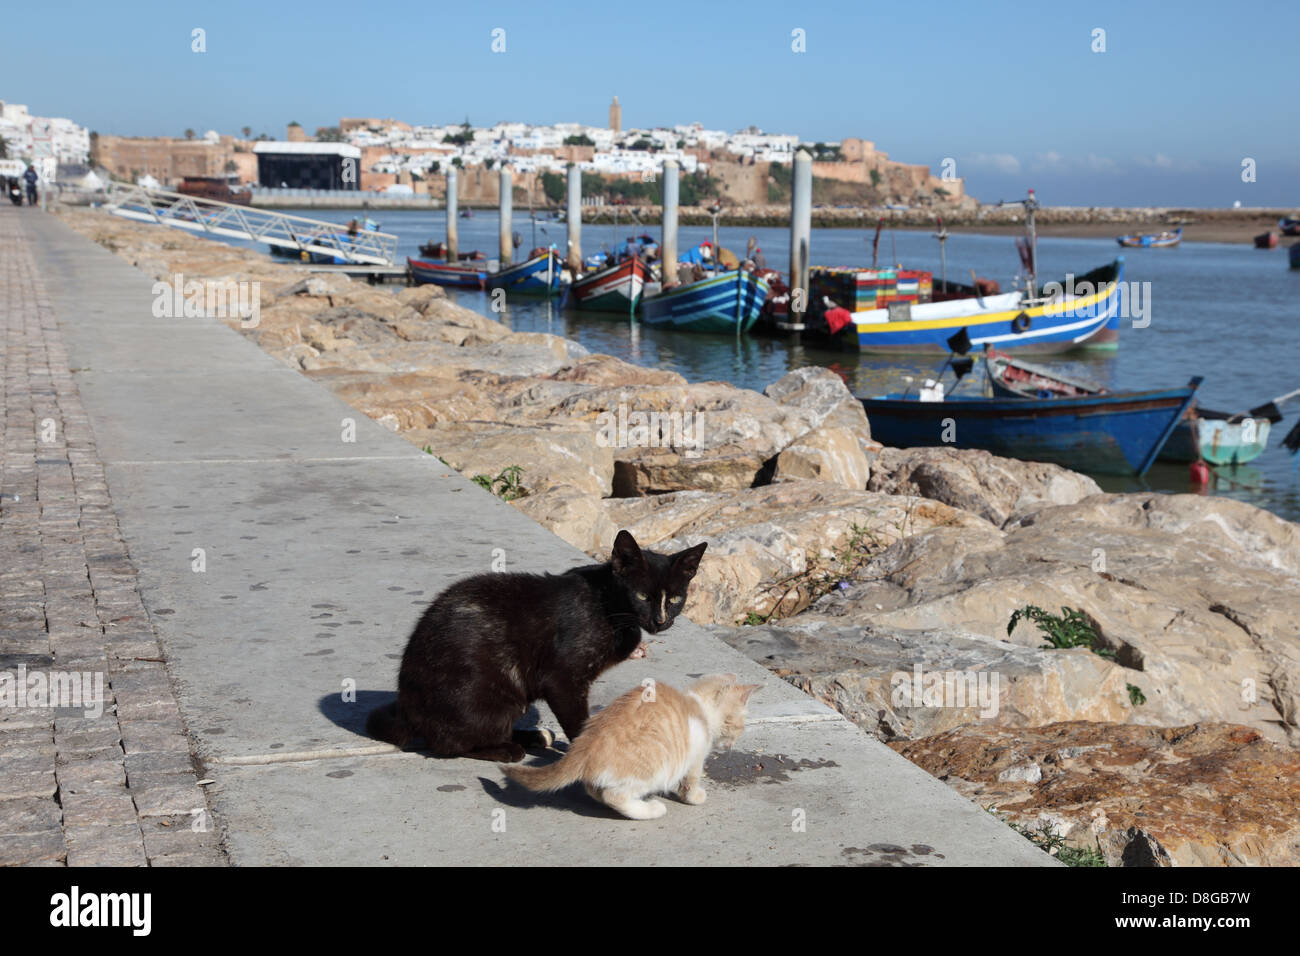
653,739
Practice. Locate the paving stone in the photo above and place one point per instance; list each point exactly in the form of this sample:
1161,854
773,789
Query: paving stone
121,845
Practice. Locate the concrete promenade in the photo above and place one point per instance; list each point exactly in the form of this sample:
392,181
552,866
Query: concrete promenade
281,568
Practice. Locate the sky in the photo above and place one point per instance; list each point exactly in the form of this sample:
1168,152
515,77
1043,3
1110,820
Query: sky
1170,105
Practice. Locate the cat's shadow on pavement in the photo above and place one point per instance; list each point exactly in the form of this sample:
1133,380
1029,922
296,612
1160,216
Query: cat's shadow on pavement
351,716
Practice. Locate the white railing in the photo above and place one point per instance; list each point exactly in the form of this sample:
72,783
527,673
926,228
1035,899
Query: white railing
233,221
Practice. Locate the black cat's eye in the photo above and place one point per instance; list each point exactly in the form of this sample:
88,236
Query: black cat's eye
675,600
640,596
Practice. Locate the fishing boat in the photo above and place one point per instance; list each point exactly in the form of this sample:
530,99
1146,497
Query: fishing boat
1266,240
1293,256
1083,311
1154,240
1119,433
1289,225
539,274
427,272
438,250
616,288
1219,438
723,302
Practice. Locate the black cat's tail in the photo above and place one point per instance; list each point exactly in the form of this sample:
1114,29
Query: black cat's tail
552,776
385,724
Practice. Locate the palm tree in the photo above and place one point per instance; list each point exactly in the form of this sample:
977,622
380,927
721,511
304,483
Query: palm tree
247,131
189,134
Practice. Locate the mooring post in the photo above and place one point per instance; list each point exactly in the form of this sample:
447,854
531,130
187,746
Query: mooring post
453,213
668,245
505,185
574,217
800,235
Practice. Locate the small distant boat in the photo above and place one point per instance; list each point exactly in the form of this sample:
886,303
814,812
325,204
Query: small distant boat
1266,240
1289,225
1119,433
1156,240
726,302
1217,437
438,250
426,272
540,274
616,288
467,213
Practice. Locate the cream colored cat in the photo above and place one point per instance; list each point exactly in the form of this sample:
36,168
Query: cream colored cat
651,740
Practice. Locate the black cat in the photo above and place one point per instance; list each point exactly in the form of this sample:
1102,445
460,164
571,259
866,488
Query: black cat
492,644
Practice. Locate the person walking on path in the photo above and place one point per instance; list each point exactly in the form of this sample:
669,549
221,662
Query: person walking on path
30,177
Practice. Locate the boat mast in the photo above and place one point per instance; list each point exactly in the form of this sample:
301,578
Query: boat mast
942,236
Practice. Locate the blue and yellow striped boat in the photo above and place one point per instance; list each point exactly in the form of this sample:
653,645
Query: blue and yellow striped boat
726,302
1048,323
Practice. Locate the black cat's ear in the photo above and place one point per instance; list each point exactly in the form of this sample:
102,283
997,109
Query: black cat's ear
627,554
686,563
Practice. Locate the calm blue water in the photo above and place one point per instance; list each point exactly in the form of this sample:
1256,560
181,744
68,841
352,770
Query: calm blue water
1230,313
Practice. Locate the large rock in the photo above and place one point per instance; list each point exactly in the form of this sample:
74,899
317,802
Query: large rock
673,437
573,514
916,683
1201,595
775,548
549,457
992,487
1201,795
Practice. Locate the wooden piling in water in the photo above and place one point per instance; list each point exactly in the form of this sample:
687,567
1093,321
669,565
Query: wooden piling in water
800,235
505,185
668,243
574,217
453,213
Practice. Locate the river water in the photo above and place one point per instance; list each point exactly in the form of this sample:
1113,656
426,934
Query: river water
1230,313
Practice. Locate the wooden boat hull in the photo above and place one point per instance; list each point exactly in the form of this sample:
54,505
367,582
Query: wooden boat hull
1119,433
425,272
725,303
1266,240
616,289
1047,326
538,276
1217,441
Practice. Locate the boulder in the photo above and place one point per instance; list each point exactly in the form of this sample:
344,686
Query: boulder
549,457
992,487
908,684
572,513
1209,794
1200,595
775,548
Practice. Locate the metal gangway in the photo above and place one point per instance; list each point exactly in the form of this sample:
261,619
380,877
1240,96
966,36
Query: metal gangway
232,221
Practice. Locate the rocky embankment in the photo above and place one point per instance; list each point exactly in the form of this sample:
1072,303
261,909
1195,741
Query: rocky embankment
879,580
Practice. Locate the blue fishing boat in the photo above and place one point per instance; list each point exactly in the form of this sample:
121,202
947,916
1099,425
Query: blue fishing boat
1152,240
1081,312
537,275
1115,433
427,272
1219,438
725,302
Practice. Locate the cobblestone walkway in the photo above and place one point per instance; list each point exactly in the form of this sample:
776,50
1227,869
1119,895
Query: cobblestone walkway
95,765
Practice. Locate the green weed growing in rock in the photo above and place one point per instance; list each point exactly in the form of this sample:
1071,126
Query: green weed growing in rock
506,485
1048,839
1070,628
1135,695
